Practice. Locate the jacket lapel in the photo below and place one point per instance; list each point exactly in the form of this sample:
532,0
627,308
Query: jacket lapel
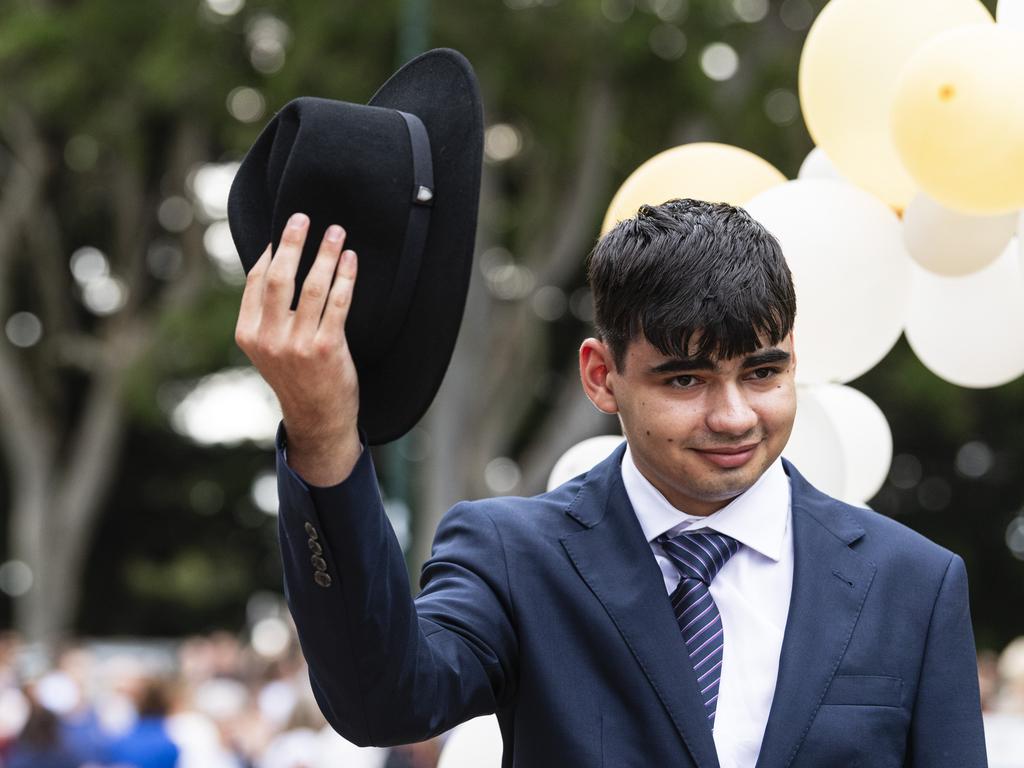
830,583
614,559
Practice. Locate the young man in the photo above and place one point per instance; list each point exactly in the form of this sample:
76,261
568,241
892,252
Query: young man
690,601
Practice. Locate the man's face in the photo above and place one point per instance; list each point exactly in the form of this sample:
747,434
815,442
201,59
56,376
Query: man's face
702,431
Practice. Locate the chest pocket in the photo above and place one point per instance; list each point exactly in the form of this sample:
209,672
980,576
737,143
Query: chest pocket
865,691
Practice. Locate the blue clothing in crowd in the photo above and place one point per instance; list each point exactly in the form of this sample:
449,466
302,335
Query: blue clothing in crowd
146,745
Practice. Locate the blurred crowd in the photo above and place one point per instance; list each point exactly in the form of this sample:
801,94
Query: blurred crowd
224,701
1001,677
216,701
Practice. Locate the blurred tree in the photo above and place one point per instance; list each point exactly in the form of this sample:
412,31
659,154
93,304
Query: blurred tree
108,108
106,111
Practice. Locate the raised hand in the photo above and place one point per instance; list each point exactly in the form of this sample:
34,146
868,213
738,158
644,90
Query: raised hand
303,354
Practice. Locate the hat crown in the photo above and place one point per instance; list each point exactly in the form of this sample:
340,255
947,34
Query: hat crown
349,164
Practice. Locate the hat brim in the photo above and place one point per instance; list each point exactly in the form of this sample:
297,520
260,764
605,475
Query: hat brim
440,88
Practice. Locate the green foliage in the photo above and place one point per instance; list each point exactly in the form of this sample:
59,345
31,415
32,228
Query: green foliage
193,578
181,545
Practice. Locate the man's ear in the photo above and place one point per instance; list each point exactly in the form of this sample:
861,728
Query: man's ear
596,362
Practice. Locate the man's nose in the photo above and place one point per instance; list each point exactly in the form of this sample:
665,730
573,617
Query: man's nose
729,412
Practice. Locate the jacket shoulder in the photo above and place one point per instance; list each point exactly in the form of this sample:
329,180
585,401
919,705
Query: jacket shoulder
545,511
881,538
893,535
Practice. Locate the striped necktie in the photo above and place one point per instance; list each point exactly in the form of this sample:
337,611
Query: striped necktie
699,556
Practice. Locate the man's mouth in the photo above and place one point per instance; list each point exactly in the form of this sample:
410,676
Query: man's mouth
730,456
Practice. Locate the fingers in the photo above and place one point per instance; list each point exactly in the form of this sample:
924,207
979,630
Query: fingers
252,301
317,285
332,326
279,285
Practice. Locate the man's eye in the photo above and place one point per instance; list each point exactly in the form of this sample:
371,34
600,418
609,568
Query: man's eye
765,373
683,382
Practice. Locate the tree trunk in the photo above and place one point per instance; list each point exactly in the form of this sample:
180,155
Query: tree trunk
60,470
55,511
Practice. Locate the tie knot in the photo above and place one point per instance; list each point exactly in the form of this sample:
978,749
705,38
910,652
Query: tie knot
701,554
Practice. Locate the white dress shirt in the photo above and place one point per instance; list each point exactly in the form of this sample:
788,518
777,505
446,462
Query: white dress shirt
752,592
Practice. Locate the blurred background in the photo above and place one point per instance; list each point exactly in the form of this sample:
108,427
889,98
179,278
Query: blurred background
138,553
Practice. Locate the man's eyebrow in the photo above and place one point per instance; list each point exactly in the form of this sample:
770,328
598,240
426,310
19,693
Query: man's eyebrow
683,364
766,357
679,364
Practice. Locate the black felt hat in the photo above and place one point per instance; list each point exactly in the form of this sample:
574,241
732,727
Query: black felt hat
401,174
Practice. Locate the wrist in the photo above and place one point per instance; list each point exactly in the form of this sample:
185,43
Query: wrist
322,457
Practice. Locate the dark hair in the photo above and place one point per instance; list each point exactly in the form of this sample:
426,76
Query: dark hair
154,698
42,729
686,268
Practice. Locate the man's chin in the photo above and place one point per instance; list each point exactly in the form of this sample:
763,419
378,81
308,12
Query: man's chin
729,483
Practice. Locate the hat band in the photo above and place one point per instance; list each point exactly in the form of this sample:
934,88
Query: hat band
416,230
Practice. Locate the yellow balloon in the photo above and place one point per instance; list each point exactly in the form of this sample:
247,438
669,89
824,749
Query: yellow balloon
851,58
958,118
719,173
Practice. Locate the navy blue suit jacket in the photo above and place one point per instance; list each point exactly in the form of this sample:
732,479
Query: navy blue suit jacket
552,612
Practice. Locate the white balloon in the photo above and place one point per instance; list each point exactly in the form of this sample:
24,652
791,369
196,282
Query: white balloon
817,165
970,330
851,271
814,446
951,243
865,435
582,457
1010,12
474,744
1020,240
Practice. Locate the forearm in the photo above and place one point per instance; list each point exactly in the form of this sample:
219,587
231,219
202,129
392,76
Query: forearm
382,674
349,613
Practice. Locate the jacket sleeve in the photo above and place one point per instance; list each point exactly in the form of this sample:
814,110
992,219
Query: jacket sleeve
386,669
946,730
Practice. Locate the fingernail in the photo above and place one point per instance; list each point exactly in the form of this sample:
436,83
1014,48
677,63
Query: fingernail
333,233
298,220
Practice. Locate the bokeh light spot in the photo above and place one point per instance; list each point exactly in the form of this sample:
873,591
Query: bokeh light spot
667,42
974,459
175,214
15,578
88,264
246,104
502,475
502,142
719,61
264,492
782,106
23,329
750,11
618,11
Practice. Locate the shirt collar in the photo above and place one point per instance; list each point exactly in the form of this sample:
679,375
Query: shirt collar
757,518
